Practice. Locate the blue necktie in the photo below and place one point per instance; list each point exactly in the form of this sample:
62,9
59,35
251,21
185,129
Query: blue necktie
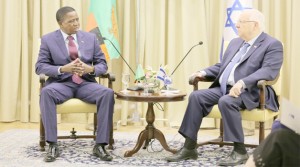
229,67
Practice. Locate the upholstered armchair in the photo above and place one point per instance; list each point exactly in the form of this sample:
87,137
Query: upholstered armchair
260,114
77,106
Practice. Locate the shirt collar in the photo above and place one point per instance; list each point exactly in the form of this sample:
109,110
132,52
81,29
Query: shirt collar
66,35
251,42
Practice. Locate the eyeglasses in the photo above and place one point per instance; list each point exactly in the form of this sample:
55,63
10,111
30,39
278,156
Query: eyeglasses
244,21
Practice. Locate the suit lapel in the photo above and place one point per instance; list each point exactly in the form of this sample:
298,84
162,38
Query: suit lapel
81,43
61,44
255,45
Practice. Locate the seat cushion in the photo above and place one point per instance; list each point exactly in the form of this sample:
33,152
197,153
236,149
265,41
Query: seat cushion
256,115
76,106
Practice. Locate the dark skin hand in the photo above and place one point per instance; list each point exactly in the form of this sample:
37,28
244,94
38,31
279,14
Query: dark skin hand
77,67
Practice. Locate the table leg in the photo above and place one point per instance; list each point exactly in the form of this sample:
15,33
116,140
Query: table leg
142,137
161,138
149,133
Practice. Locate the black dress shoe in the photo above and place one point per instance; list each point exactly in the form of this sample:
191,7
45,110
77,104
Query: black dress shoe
233,159
183,154
100,152
52,153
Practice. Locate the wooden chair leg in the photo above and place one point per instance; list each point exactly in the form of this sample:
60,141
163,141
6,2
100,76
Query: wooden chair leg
95,125
111,137
221,133
42,136
261,131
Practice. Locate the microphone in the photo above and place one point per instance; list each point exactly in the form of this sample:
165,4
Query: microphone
119,54
200,43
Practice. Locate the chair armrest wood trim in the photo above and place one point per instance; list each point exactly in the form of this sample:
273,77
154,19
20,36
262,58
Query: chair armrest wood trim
42,81
262,90
111,78
193,80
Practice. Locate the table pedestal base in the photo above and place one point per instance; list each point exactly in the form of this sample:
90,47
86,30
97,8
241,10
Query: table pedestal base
149,133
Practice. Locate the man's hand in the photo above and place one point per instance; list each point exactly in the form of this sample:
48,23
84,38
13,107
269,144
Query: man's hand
77,67
196,74
86,68
236,90
73,67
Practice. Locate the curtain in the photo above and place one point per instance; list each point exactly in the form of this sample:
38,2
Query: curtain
166,30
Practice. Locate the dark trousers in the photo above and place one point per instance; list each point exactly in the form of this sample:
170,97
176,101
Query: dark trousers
200,104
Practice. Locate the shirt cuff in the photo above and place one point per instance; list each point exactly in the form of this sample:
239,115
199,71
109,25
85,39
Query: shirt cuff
203,73
58,71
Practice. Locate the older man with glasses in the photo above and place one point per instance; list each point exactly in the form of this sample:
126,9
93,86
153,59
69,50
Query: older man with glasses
251,57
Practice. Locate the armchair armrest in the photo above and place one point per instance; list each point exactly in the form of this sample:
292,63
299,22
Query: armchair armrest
193,80
42,81
261,84
111,78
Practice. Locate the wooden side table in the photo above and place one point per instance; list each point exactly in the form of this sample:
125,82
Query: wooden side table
150,131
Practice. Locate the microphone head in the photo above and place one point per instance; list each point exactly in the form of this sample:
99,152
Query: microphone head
104,38
200,43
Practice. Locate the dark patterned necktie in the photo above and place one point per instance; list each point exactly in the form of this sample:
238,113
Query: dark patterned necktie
229,67
73,52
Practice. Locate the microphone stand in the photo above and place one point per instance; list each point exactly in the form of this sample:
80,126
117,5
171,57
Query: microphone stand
119,54
200,43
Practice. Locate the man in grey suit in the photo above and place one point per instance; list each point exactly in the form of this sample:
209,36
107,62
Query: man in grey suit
252,57
72,59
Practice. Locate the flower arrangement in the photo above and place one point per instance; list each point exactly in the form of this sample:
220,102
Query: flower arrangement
147,77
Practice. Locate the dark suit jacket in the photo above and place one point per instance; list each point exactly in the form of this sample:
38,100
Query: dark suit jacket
262,62
53,53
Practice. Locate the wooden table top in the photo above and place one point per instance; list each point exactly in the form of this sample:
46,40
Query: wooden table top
138,96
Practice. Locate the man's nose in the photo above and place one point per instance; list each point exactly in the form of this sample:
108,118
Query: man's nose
76,22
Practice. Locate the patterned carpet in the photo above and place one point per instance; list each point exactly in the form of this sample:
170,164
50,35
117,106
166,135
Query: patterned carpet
20,148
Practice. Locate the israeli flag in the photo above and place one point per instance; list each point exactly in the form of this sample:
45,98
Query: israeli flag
234,8
161,74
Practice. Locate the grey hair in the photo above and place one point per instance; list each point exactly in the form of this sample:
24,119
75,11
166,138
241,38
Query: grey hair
256,15
62,12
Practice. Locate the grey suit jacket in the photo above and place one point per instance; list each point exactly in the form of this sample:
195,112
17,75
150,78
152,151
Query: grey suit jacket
53,54
262,62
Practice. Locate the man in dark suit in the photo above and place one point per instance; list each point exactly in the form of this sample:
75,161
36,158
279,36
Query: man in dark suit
72,59
252,57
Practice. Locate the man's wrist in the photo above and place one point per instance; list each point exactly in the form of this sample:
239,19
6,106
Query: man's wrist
242,83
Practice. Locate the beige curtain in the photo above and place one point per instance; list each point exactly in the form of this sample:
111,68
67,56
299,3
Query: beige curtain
167,30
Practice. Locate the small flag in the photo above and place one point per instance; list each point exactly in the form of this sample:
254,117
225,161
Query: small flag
139,73
167,80
161,74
